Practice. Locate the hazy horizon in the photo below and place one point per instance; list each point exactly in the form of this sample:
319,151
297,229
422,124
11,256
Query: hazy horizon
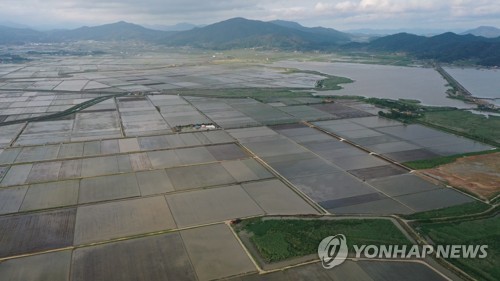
452,15
186,25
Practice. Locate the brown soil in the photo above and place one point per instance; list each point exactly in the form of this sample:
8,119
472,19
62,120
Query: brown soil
479,174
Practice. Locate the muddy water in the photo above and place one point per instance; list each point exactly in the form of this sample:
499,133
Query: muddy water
384,81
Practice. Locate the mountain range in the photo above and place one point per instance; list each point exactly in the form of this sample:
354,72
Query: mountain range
183,26
447,47
484,31
243,33
120,31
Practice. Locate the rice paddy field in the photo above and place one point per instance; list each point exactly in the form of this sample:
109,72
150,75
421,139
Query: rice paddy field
144,184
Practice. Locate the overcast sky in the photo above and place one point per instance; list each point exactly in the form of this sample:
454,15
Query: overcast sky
339,14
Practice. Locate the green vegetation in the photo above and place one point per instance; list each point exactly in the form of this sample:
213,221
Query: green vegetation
484,231
261,94
402,110
410,101
263,56
329,83
456,91
242,33
452,120
453,211
344,97
12,58
435,162
64,113
447,47
466,123
332,83
397,59
405,117
280,239
288,96
400,105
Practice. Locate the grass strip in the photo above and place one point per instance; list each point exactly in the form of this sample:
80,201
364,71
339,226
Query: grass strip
281,239
453,211
435,162
485,231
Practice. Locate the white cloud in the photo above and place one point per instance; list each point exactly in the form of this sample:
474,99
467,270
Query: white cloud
378,6
332,13
290,12
345,6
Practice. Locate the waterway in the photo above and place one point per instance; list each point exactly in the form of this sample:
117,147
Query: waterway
481,83
385,81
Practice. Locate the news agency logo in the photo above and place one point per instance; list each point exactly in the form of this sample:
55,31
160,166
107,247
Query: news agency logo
333,251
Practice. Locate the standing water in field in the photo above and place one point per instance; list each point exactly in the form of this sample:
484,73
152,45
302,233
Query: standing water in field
385,81
481,83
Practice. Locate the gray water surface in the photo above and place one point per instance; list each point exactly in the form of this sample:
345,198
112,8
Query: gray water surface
384,81
481,83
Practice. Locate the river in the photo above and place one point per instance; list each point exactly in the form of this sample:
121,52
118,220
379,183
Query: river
385,81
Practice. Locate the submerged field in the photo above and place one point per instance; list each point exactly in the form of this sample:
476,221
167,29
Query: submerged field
189,141
482,83
480,127
384,81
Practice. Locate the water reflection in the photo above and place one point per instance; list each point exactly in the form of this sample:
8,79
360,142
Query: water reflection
383,81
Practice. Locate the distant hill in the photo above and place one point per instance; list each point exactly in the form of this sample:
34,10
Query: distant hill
398,42
385,32
13,35
232,33
13,24
183,26
446,47
329,32
244,33
286,35
484,31
120,31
